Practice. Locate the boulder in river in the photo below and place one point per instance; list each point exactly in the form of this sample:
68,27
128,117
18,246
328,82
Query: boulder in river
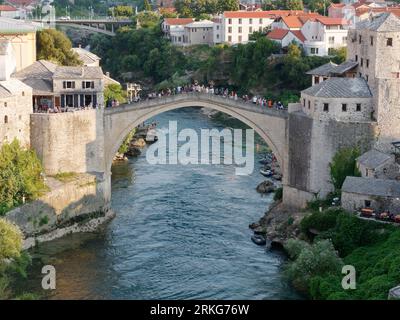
265,187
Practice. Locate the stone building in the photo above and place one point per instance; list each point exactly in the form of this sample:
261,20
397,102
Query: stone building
378,194
199,32
15,101
379,165
375,46
59,87
88,58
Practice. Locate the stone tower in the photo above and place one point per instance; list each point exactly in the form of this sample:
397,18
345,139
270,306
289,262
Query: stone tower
375,45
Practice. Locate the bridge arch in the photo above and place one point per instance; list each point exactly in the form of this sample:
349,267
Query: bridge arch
271,125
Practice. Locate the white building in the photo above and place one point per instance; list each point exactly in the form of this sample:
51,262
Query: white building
174,29
8,11
238,26
324,34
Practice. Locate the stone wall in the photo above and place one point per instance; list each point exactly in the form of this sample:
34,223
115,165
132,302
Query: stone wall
328,137
66,203
69,142
354,201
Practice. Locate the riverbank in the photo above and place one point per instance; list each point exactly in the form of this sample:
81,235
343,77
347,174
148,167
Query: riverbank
73,204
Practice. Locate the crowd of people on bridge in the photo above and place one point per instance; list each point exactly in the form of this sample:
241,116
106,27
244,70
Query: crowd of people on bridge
263,102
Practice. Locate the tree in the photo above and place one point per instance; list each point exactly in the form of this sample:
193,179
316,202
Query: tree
122,11
114,92
54,46
293,4
344,164
20,176
269,5
10,240
146,5
228,5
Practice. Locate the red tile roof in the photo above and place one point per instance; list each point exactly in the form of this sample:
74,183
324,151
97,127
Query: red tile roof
178,21
292,21
6,7
277,34
328,21
247,14
299,35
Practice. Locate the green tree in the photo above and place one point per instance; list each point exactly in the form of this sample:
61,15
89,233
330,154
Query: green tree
344,164
146,5
293,4
147,19
228,5
319,259
54,45
114,92
10,241
20,176
122,11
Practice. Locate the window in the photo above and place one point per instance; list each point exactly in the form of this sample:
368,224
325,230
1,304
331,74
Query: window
23,93
366,77
304,102
5,104
326,107
367,203
240,30
250,21
358,107
344,107
240,21
230,21
87,84
240,39
251,30
69,84
309,104
359,39
314,50
229,38
371,40
389,42
356,57
367,63
5,119
362,62
217,36
230,30
261,20
217,27
331,40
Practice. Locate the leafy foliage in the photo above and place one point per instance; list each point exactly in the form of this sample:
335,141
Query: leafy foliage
311,260
371,247
344,164
54,45
195,8
114,92
20,176
10,240
121,11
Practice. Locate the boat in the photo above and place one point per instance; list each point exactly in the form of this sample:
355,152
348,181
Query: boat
259,240
151,136
266,173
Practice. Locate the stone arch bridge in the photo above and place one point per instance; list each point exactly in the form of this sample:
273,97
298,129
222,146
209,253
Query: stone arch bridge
87,141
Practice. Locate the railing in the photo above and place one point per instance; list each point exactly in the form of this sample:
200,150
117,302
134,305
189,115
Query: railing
198,96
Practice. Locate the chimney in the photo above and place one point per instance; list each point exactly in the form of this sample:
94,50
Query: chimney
107,74
82,71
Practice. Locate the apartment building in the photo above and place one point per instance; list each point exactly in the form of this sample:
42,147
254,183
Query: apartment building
174,29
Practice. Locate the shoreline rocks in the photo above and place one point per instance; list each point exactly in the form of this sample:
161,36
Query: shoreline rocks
266,186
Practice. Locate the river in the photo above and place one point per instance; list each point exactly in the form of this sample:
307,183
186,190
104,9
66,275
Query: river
180,232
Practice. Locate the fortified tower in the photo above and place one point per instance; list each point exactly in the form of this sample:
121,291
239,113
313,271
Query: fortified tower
375,45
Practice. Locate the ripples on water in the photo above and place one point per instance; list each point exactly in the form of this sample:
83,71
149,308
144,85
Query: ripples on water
181,232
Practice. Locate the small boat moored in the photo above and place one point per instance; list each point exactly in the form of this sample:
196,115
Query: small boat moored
259,240
266,173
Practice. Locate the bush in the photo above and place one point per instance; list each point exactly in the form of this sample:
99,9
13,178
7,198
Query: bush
20,176
10,240
343,165
319,259
321,221
278,195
